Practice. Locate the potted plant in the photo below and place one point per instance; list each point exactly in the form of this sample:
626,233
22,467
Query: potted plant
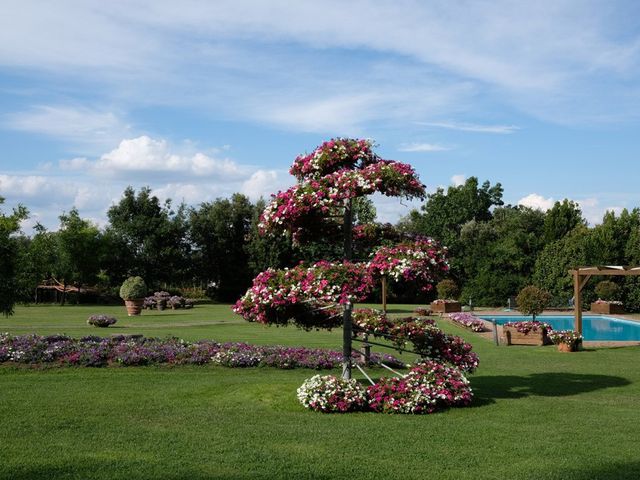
133,292
566,340
446,303
607,302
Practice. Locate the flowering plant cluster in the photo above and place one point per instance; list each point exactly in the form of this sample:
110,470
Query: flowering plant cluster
440,301
468,320
609,302
422,312
305,294
428,387
526,327
569,337
124,350
420,261
333,155
101,320
289,210
428,340
328,393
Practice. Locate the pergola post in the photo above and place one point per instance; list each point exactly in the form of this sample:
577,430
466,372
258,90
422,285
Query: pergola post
577,301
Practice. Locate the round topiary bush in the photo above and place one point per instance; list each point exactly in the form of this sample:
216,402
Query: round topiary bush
447,289
532,300
133,288
101,320
607,290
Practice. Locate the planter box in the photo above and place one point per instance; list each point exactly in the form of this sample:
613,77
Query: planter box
514,337
607,308
565,347
449,307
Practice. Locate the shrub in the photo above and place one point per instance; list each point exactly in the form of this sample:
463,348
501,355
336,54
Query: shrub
532,300
428,387
101,320
133,288
329,393
607,290
447,289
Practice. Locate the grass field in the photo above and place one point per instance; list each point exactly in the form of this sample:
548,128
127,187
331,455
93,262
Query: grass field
537,413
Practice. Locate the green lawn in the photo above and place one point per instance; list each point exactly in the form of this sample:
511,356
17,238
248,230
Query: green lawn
537,414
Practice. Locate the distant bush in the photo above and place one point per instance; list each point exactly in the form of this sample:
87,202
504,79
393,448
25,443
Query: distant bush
607,290
447,289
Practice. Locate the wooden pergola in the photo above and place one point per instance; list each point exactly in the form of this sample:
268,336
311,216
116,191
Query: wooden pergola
581,276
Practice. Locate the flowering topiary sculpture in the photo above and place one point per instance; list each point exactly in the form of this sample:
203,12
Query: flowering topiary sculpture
322,295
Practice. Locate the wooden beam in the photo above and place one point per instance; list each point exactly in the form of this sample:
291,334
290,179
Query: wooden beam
577,301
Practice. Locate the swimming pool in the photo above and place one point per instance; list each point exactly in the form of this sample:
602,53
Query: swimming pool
594,327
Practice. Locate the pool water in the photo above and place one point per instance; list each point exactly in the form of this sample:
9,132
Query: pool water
594,327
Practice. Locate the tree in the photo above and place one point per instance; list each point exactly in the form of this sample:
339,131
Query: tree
443,214
330,178
150,237
532,300
218,232
9,225
561,219
496,257
78,249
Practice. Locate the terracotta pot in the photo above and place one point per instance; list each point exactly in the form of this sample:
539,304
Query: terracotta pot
134,307
566,347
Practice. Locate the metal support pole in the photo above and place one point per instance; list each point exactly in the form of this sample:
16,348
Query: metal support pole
348,308
495,332
384,294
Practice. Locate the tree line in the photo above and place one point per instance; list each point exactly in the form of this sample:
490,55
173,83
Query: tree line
494,249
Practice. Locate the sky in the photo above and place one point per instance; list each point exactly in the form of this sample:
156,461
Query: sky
201,99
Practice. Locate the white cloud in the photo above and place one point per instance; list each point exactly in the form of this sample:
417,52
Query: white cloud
263,183
533,200
593,212
472,127
423,147
79,125
145,157
458,179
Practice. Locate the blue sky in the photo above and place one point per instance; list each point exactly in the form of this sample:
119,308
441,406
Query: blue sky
200,99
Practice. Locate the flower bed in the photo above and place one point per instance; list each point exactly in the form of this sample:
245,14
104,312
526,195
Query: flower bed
468,320
445,306
130,351
428,387
526,333
329,393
